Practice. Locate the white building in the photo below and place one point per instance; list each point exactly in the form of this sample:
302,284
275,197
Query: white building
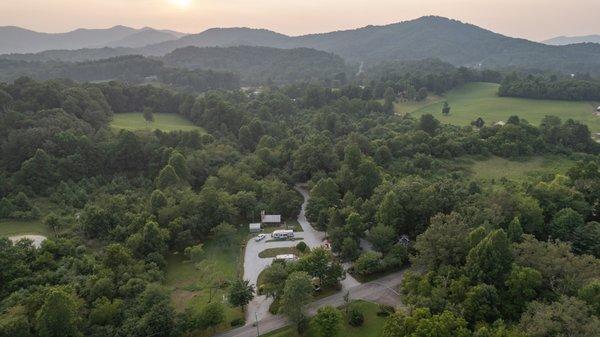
286,257
254,227
270,219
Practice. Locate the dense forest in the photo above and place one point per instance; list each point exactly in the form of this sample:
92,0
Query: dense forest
260,65
576,88
129,69
490,259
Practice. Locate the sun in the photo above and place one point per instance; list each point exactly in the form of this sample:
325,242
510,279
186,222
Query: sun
181,3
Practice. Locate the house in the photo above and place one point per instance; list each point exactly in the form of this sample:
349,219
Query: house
270,219
283,234
254,227
500,123
598,109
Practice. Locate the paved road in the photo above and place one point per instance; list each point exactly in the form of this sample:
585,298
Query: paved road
380,291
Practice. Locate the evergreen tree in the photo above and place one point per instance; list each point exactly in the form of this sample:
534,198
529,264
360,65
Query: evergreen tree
167,178
58,315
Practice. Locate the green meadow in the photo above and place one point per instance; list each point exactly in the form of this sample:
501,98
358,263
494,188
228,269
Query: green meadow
134,121
481,100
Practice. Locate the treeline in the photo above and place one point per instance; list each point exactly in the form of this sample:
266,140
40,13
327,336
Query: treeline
432,74
550,87
263,65
128,69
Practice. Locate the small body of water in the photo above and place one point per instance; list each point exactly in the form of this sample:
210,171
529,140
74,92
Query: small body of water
37,239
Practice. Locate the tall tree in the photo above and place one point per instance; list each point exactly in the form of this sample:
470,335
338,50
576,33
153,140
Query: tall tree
241,293
327,321
296,294
58,315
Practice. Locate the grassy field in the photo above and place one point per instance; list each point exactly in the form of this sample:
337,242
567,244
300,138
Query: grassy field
481,100
21,227
165,122
498,168
372,327
190,284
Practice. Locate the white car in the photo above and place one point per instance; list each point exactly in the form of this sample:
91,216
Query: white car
260,237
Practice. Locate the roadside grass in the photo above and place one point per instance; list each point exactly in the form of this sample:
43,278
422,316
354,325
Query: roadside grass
475,100
134,121
190,284
372,326
273,252
496,168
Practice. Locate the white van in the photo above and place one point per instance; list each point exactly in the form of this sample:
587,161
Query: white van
283,234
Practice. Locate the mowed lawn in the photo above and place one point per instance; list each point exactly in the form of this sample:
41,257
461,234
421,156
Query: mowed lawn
481,100
165,122
190,284
372,327
497,168
22,227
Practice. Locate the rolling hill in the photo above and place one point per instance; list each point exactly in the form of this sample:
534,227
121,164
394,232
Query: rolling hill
452,41
565,40
20,40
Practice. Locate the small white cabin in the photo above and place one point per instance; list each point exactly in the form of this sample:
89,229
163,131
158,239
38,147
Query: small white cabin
283,234
254,227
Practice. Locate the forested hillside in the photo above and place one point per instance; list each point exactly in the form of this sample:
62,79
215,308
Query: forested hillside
428,37
259,65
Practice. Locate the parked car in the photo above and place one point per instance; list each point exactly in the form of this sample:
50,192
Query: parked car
260,237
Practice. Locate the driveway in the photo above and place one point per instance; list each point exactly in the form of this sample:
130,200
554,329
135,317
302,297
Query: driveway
258,308
379,291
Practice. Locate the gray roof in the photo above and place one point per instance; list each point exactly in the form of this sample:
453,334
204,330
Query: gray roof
254,226
271,218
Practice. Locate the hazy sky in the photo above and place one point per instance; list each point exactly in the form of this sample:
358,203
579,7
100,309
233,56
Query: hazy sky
533,19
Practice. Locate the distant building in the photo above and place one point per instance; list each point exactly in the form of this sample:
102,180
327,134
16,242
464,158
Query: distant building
254,227
598,109
270,219
500,123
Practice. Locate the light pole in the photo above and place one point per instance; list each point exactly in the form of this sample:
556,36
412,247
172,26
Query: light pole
256,322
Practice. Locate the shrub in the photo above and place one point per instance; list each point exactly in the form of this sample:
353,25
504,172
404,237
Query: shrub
385,310
368,263
238,322
356,317
302,247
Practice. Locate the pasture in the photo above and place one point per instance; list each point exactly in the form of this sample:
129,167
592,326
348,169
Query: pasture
475,100
134,121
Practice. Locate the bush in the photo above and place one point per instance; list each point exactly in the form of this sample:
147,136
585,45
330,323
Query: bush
302,247
356,317
385,310
368,263
238,322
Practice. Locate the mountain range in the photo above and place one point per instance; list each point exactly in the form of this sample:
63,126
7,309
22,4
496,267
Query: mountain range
565,40
20,40
452,41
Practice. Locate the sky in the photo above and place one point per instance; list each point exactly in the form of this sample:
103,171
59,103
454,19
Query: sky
531,19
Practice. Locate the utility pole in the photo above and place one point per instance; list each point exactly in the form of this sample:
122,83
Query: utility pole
256,322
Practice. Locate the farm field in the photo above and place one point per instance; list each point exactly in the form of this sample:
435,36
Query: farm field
372,327
481,100
165,122
190,284
497,168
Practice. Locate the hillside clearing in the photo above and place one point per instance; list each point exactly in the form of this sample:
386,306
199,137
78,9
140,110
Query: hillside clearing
475,100
496,168
165,122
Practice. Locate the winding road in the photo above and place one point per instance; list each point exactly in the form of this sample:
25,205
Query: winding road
380,291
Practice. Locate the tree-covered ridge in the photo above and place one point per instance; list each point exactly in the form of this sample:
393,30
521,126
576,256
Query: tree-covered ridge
259,65
130,69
